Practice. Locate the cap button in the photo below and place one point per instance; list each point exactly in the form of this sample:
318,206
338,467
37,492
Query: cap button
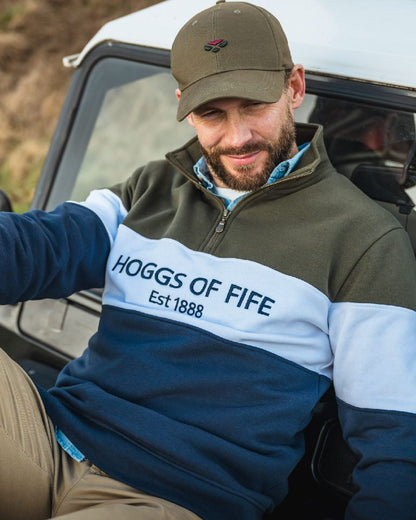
220,2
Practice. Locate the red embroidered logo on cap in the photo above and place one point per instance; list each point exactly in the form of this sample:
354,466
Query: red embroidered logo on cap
215,45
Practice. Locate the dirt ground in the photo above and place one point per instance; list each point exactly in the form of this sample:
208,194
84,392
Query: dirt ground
34,37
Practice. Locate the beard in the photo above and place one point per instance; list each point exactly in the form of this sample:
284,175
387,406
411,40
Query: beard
242,177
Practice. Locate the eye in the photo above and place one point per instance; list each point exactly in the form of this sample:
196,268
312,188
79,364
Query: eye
211,112
208,114
255,105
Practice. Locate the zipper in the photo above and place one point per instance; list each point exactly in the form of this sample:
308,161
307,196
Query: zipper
225,212
218,230
221,224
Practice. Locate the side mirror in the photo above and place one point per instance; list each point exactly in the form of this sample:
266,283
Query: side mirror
5,204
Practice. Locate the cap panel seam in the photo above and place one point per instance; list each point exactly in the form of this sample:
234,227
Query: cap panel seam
214,35
273,33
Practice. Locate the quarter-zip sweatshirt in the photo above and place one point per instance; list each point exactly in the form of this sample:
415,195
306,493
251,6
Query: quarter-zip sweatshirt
220,332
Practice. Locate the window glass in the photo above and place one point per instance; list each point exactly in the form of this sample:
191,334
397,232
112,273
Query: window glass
355,130
373,146
127,117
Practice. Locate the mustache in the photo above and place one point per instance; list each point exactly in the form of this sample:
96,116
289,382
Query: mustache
248,148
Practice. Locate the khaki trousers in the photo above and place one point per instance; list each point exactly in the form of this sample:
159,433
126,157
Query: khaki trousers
38,480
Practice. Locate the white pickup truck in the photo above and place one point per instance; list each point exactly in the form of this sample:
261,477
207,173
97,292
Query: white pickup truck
119,113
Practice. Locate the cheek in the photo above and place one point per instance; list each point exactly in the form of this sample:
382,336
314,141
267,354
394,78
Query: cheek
209,133
208,138
270,127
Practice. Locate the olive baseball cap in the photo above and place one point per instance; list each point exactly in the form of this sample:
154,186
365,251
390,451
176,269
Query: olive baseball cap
233,49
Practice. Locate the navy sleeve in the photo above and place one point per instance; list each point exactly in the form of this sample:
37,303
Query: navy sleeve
50,255
386,472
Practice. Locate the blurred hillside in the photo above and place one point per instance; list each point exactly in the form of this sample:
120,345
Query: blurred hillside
34,37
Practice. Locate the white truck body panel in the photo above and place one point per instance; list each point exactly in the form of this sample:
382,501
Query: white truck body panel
372,41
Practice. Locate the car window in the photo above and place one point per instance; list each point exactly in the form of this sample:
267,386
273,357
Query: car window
127,117
353,131
371,145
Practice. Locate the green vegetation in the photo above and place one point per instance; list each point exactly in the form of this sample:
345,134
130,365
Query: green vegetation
34,36
20,191
8,14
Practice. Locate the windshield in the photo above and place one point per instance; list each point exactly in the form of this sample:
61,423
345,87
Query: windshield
126,118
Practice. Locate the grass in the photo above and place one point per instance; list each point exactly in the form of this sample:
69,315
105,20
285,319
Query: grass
8,14
20,192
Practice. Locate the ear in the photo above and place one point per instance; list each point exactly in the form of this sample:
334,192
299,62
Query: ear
297,86
189,117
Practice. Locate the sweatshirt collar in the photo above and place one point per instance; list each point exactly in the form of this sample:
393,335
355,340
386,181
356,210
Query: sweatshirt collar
280,171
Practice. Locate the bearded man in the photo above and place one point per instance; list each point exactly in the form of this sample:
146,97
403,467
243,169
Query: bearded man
243,276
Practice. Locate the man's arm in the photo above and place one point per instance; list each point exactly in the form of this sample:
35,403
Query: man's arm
53,254
373,335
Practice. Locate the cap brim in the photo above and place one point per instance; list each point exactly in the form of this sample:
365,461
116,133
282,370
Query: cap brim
257,85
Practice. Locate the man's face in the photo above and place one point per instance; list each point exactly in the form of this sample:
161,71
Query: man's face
243,140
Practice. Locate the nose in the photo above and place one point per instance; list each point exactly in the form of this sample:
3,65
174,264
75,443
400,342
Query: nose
238,132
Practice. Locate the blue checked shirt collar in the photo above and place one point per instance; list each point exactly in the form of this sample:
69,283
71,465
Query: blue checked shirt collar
281,170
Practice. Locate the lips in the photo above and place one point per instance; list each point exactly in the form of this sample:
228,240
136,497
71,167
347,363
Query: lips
243,159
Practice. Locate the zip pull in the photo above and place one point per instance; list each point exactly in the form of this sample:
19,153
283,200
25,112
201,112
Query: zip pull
221,224
218,230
